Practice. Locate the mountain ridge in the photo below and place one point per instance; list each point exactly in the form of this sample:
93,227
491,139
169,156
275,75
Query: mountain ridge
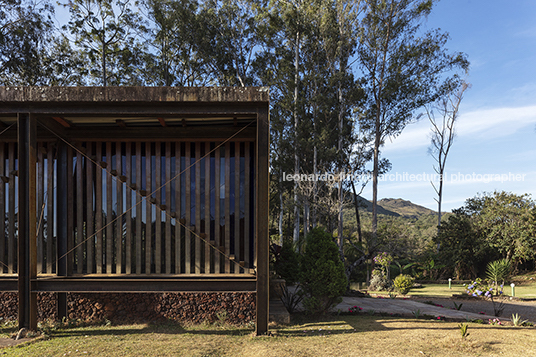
397,207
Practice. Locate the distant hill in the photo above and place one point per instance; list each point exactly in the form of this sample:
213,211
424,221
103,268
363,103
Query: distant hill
397,207
404,208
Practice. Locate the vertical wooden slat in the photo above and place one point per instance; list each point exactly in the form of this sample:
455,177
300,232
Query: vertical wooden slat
262,177
197,241
158,218
63,211
109,210
128,209
3,209
90,211
50,208
218,257
70,208
138,209
207,208
40,208
168,209
227,207
98,209
188,188
11,210
79,214
149,208
237,208
247,205
178,226
119,209
27,257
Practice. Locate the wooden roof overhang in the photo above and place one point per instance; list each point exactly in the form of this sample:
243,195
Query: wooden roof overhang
132,113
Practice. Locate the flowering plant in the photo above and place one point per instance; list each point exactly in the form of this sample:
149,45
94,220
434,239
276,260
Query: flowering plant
383,259
355,309
495,322
478,288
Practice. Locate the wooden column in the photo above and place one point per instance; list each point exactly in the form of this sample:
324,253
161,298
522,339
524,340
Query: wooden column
62,232
27,247
262,180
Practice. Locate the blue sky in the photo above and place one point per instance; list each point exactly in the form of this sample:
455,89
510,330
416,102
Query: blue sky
496,131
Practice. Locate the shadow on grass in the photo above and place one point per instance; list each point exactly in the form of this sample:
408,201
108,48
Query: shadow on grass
301,326
156,328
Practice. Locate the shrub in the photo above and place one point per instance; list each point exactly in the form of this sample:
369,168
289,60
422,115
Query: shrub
403,283
323,279
379,281
287,263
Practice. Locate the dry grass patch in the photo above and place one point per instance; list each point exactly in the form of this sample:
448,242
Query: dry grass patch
360,335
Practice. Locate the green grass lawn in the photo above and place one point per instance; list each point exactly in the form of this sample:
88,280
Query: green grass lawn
357,335
524,288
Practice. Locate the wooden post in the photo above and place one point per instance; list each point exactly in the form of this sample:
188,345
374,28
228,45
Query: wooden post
27,247
261,216
62,232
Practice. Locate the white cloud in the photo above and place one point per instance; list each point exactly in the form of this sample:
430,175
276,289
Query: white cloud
478,124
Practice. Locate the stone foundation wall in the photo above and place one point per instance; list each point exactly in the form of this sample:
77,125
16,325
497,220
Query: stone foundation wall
141,307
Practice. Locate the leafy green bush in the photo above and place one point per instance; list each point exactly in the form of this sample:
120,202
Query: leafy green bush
323,280
403,283
287,263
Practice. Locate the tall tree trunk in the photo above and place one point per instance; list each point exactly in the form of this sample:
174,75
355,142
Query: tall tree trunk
315,185
296,235
306,218
341,174
375,173
104,74
281,212
357,218
440,195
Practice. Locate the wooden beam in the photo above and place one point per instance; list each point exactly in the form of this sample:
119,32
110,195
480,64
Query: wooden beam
9,284
90,225
62,232
27,248
162,122
3,181
261,216
133,134
246,284
63,122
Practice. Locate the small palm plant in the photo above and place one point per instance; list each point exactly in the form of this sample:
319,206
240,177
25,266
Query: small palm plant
498,272
456,306
463,330
516,320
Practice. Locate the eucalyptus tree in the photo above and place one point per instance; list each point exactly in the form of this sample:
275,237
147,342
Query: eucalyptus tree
171,33
105,32
279,65
306,62
28,44
226,38
404,68
443,127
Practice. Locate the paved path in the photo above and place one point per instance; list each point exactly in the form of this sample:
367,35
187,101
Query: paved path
406,308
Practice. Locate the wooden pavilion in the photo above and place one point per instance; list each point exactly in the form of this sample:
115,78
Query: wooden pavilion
133,189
